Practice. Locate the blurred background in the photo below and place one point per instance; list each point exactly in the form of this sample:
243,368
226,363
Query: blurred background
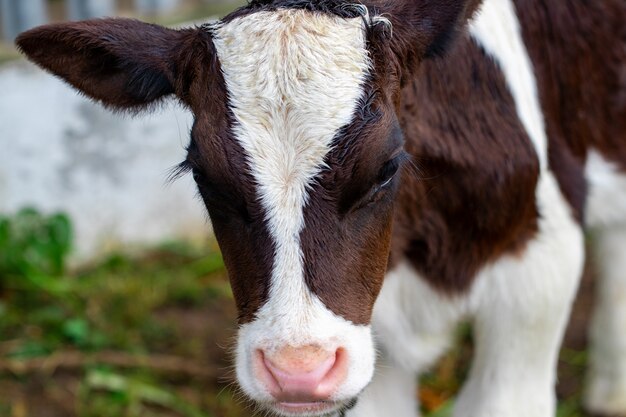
113,296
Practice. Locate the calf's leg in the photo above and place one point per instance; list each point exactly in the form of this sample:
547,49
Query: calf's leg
521,304
606,385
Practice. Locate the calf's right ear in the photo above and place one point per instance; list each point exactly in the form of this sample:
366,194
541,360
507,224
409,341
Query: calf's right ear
423,28
123,63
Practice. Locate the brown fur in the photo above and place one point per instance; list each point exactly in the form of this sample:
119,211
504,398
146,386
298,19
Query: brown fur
348,220
471,198
123,63
579,52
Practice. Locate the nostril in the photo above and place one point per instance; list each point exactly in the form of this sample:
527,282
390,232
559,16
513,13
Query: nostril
337,373
303,374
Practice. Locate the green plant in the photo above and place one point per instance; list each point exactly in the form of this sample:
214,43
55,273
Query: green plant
107,305
33,246
33,253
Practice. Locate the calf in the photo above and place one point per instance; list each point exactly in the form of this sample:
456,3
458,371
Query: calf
381,171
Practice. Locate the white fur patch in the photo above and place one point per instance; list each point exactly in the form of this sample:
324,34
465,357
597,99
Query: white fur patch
414,321
606,213
606,385
606,202
497,29
294,78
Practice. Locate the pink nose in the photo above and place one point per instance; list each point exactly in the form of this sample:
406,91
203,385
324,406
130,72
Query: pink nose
302,374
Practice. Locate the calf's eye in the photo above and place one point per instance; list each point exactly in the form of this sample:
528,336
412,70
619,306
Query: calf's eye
386,183
198,176
383,181
387,173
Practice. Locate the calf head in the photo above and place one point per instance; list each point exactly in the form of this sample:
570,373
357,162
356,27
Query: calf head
295,148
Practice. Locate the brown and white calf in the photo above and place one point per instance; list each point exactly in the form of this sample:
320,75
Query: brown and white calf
377,172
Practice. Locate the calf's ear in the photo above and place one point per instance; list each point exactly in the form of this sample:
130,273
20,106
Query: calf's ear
423,28
123,63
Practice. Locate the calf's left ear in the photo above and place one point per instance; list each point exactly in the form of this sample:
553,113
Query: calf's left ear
123,63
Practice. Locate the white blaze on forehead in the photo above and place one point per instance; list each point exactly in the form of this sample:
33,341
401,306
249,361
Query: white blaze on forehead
294,78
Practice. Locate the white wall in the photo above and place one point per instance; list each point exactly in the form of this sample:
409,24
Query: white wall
58,151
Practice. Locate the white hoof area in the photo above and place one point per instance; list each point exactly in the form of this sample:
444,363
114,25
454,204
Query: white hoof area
606,396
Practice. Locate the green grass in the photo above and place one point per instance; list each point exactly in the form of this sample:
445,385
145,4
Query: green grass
144,335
